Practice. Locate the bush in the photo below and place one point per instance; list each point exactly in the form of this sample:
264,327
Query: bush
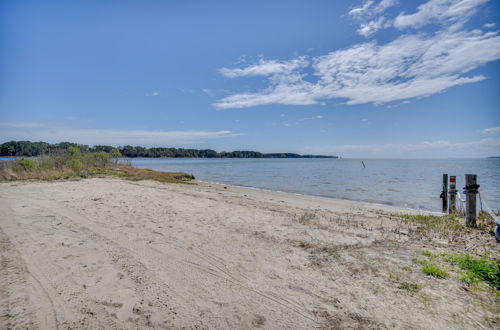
97,159
115,153
76,165
26,164
74,152
45,163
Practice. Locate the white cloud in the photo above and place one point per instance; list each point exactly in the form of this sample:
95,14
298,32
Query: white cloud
489,25
367,29
93,136
449,11
493,130
384,4
369,16
361,10
425,149
411,66
368,8
265,68
152,94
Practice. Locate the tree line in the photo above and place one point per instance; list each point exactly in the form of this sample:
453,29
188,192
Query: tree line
31,149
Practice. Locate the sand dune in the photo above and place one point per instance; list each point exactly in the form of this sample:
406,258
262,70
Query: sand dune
107,253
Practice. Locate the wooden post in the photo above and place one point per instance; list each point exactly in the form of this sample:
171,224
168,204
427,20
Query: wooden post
444,193
453,194
470,191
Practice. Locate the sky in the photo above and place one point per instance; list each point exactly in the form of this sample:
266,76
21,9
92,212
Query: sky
362,78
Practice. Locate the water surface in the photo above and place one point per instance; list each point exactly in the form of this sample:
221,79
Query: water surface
401,182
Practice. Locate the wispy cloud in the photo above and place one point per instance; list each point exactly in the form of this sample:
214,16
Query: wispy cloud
492,130
312,118
370,8
209,92
369,28
152,94
411,66
92,136
445,12
21,124
362,10
266,68
296,122
370,16
439,11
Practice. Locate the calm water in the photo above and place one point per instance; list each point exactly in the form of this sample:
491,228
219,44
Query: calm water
407,183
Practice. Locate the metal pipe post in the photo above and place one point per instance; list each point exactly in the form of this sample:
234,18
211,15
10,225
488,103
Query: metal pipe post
453,194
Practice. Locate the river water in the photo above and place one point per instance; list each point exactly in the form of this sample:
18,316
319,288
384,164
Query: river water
410,183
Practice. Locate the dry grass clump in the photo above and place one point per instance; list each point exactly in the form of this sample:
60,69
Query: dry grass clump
449,227
305,218
137,174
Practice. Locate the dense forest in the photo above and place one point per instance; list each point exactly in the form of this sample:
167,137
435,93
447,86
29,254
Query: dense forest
29,149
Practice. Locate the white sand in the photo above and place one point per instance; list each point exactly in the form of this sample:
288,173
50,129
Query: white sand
107,253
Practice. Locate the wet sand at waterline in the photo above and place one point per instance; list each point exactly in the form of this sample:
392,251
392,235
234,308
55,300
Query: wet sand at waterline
108,253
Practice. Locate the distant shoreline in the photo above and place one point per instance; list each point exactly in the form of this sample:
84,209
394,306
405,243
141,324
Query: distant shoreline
30,149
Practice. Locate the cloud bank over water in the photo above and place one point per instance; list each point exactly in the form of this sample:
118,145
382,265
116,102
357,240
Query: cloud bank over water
117,137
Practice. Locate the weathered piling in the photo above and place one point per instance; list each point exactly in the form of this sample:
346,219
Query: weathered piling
444,193
470,191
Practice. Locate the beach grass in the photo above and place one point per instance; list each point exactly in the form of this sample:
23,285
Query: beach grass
476,269
432,269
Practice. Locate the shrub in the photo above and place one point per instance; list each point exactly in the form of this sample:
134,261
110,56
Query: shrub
74,152
76,165
45,163
99,159
26,164
115,153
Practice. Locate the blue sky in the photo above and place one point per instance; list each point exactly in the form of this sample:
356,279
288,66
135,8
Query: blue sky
381,78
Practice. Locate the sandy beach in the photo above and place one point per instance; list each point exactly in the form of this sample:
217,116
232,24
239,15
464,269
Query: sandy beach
114,254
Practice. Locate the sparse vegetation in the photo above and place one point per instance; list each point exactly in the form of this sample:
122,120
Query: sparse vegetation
485,221
24,164
428,226
73,162
410,287
476,269
432,269
306,218
418,261
426,253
